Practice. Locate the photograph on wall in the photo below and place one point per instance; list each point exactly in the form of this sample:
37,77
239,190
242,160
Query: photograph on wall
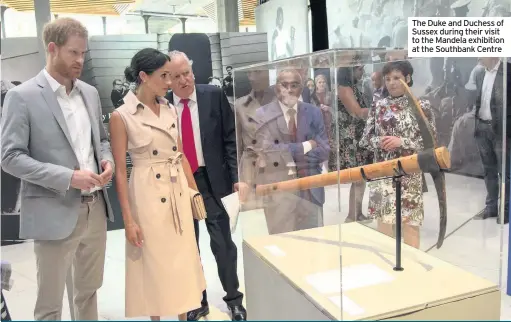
449,83
286,24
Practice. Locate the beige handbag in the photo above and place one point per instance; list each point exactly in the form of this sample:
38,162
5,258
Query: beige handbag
198,208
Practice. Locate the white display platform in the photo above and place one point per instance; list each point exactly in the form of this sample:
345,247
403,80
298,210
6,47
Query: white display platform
296,276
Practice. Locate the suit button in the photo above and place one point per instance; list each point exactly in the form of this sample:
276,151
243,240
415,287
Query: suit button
276,141
275,164
158,176
250,119
163,200
155,152
174,148
253,163
173,125
254,141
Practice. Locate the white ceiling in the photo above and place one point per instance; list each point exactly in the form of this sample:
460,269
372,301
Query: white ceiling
172,6
179,7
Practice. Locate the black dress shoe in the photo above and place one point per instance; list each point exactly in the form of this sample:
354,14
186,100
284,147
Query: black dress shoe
485,214
238,313
196,314
359,218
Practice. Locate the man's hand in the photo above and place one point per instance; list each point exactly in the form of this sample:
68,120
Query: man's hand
85,180
390,143
106,175
313,144
243,189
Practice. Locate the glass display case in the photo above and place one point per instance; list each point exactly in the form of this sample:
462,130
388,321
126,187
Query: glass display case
371,186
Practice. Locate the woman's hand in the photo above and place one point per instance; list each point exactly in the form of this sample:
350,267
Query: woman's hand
134,234
390,143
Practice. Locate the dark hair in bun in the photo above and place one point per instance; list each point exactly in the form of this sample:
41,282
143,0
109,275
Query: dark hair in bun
147,60
403,66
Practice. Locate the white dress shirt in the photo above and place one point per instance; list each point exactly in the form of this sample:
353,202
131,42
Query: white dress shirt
307,146
486,91
194,111
78,123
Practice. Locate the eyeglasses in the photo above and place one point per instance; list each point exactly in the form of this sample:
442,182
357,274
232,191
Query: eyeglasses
290,86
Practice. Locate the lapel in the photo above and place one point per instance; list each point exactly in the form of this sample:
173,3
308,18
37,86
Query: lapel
51,100
204,108
301,124
275,114
147,116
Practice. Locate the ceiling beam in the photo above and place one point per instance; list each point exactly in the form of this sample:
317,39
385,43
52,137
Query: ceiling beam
71,6
164,14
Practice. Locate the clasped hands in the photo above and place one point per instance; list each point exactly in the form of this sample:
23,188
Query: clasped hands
87,180
390,143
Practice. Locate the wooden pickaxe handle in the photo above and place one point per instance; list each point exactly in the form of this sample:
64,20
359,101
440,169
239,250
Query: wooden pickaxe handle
409,164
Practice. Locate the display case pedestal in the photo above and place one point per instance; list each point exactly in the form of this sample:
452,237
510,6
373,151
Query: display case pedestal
297,276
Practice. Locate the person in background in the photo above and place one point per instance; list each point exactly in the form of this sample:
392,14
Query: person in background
164,275
118,93
378,86
293,142
491,140
215,81
311,85
249,154
227,83
322,97
351,115
392,131
207,128
53,139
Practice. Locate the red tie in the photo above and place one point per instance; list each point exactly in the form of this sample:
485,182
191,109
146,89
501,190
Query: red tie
188,138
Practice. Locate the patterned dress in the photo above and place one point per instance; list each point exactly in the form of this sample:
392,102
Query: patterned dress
394,117
349,152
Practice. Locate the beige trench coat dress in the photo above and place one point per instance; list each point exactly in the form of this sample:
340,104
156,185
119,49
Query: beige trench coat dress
165,276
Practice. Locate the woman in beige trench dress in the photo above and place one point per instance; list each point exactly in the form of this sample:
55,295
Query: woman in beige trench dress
164,275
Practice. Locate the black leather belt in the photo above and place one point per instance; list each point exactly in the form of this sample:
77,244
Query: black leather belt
88,198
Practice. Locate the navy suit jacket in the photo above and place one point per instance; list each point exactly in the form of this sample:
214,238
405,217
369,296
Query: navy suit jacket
273,135
218,137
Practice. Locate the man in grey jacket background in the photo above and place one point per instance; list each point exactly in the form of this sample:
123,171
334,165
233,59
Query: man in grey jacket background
53,139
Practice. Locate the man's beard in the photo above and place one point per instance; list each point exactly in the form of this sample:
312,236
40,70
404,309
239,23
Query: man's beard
289,100
64,70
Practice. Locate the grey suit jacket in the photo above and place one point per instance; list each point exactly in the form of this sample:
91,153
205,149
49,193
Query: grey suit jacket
36,147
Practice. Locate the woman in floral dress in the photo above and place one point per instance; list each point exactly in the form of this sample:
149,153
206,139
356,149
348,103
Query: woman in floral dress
351,114
391,132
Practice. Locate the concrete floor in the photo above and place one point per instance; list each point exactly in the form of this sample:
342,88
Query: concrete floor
476,246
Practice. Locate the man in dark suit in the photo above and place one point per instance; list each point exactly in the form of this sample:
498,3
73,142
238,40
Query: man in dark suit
292,137
207,130
491,140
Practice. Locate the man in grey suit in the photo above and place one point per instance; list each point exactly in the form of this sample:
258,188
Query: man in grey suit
53,139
